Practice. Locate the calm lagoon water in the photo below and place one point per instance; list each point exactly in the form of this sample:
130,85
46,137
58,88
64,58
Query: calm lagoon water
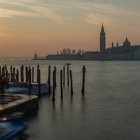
110,109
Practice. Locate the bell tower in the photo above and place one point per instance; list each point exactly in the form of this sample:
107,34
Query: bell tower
102,40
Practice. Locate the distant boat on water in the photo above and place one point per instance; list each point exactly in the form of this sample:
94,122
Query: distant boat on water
68,63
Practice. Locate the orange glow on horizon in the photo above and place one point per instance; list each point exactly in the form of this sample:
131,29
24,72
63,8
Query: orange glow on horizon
50,27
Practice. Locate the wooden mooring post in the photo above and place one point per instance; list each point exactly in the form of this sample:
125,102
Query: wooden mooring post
71,82
61,84
7,75
29,75
0,71
49,78
37,73
26,73
68,71
32,74
6,72
64,75
53,96
3,72
14,74
17,76
22,73
55,77
39,82
11,73
83,80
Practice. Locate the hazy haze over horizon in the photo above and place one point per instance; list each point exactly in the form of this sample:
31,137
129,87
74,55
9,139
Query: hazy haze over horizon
48,26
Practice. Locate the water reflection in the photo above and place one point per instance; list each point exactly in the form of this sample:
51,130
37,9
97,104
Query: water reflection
109,110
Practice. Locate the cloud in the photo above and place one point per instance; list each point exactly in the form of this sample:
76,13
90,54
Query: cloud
89,12
97,13
43,11
6,13
28,8
113,10
97,19
16,2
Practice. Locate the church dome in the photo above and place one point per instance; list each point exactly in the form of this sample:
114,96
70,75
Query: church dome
126,43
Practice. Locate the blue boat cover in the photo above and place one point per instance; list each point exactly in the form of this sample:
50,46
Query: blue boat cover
11,128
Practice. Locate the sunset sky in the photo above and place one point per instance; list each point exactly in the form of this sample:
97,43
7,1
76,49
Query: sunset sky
48,26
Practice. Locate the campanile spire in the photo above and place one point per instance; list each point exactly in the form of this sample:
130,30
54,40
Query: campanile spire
102,40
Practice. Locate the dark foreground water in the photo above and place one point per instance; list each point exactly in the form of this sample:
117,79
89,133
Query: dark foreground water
110,109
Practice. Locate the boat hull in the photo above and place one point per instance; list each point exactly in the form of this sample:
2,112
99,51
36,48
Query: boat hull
23,88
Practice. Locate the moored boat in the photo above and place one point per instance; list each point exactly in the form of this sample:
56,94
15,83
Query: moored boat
23,88
11,128
17,87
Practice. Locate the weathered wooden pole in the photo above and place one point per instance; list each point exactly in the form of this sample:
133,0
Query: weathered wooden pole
49,78
29,75
0,70
37,73
22,73
23,77
14,74
32,74
17,76
7,75
55,76
39,82
53,96
3,72
26,73
61,84
71,80
5,67
2,83
11,73
83,80
68,75
64,75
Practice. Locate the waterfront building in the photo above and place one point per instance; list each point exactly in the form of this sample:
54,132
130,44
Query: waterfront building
126,51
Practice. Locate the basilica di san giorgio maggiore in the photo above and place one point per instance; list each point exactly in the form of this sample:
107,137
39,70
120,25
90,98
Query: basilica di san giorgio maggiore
116,52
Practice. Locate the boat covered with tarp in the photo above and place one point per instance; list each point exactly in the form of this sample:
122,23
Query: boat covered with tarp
11,128
23,88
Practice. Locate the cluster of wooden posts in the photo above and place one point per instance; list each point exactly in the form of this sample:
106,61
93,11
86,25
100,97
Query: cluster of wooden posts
27,75
69,80
14,76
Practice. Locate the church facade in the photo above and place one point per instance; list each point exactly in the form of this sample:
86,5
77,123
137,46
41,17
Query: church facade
126,51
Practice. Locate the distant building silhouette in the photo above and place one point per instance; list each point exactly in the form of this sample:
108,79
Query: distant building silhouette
102,40
118,52
35,56
126,51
